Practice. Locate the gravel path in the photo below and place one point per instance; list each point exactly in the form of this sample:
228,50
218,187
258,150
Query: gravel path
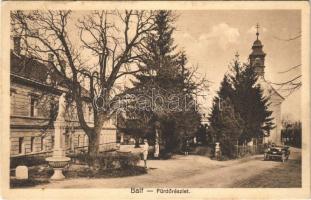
202,172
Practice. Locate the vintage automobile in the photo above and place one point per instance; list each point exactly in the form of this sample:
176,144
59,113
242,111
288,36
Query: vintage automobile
277,152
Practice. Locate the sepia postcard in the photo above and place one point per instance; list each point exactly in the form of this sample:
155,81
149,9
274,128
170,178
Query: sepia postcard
155,100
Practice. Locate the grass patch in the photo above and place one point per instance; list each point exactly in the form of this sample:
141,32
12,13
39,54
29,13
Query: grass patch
108,173
15,183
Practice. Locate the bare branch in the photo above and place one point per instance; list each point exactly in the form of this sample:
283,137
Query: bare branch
291,68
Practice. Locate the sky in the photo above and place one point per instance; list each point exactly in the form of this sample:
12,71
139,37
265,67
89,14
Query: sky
212,38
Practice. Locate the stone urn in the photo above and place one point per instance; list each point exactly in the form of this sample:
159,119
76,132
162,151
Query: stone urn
58,163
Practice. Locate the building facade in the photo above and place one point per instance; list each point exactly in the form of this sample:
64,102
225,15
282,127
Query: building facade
31,117
257,59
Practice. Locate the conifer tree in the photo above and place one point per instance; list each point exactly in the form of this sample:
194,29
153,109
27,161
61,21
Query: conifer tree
164,70
240,110
250,102
226,125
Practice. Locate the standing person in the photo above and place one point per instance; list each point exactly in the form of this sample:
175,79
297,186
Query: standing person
187,147
217,151
145,151
156,149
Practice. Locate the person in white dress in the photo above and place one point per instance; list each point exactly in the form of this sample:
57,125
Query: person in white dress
145,151
156,149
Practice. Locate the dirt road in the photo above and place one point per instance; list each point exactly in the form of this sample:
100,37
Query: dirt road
202,172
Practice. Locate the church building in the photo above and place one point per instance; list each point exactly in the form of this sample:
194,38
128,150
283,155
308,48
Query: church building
257,59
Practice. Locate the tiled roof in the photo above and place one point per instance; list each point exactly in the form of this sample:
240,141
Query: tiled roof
35,70
32,69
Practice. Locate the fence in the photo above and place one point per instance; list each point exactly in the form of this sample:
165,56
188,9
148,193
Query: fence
110,146
27,151
243,150
36,158
78,149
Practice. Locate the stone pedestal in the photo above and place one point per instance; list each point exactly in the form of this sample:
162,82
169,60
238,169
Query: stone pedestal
58,174
58,161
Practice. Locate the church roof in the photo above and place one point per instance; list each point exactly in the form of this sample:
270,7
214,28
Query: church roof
257,43
268,89
257,49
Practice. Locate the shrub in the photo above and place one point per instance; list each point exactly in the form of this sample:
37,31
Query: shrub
27,161
107,173
109,160
228,149
203,151
129,160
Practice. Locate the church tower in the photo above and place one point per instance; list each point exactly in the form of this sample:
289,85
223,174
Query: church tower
257,57
257,60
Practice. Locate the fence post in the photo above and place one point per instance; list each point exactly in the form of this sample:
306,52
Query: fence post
256,146
237,148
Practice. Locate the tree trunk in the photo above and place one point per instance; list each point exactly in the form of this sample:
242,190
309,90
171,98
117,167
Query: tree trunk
93,148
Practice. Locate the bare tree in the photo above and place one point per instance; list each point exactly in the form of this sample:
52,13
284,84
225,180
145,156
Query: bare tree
294,82
105,49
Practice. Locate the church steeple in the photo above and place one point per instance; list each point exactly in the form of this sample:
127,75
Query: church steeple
257,57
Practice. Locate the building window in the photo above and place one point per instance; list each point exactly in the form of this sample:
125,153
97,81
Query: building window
42,143
12,99
53,111
33,106
32,142
86,140
79,140
21,148
71,146
67,140
52,142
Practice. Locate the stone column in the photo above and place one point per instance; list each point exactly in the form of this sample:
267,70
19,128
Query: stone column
58,150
